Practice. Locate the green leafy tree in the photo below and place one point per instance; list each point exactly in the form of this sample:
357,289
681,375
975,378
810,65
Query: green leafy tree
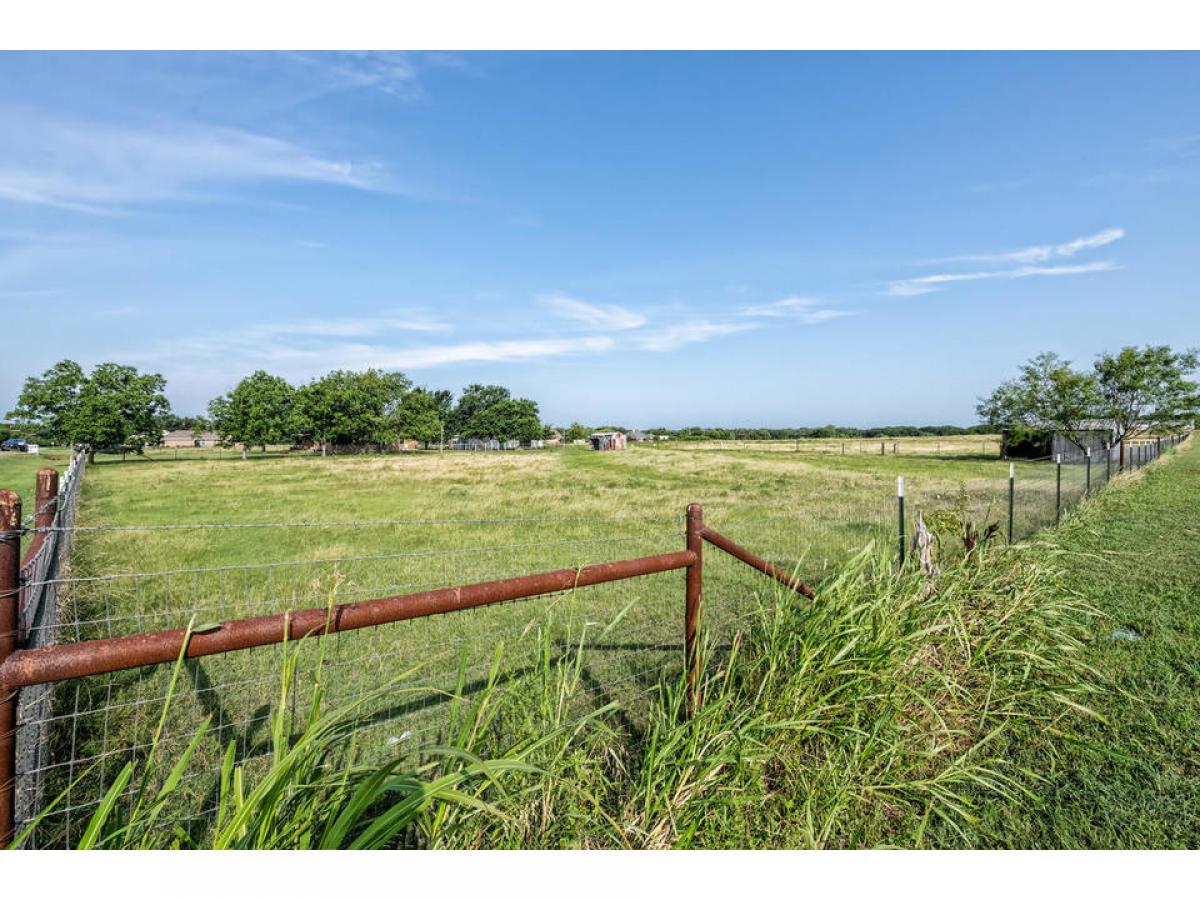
1047,395
172,422
115,405
576,432
507,420
350,408
256,412
475,398
421,415
46,402
1147,389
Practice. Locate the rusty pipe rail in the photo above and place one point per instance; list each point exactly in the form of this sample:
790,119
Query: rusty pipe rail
737,551
44,665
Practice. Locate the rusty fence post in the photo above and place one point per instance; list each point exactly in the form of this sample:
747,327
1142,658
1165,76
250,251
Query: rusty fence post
10,586
691,616
45,508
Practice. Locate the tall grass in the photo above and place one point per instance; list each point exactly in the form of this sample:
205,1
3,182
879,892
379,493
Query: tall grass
873,716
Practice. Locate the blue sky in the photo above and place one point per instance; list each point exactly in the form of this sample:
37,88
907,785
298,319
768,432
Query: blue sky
737,239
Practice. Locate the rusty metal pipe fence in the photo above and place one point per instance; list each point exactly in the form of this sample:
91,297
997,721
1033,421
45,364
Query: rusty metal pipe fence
24,667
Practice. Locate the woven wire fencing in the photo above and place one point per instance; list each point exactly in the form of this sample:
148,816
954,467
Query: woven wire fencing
37,623
625,638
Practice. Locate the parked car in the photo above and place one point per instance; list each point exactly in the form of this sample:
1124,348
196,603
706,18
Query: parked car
14,445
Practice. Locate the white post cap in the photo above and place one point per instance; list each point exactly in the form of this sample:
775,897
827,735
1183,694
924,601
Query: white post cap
1012,469
899,485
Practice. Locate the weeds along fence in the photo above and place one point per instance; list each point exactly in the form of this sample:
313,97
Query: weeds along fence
614,607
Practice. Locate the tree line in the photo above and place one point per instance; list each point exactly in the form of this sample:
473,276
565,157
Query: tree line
116,405
1133,391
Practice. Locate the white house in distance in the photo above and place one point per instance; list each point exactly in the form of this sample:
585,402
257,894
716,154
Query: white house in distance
190,439
607,440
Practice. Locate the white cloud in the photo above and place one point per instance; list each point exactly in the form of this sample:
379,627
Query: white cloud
103,169
675,336
910,287
1046,252
490,351
394,72
347,327
804,309
300,350
607,316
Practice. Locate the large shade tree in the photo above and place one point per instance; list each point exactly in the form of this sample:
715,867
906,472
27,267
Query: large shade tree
350,408
422,415
115,405
474,399
507,420
1134,391
1047,395
255,413
1147,389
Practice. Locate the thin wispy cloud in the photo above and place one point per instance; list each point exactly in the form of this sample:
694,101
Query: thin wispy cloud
489,351
803,309
394,72
674,336
301,361
348,327
33,292
104,169
1044,252
605,316
1187,145
926,284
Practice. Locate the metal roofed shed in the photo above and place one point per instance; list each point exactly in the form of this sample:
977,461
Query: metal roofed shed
607,440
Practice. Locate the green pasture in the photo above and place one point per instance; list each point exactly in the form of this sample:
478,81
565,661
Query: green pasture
455,518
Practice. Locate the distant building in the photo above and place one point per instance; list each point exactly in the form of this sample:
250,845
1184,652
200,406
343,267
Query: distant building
640,436
607,440
185,438
1096,435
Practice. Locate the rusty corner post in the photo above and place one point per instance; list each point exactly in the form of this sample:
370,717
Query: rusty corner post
691,616
45,508
10,586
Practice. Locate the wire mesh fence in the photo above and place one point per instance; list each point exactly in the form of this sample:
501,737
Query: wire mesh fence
41,573
624,638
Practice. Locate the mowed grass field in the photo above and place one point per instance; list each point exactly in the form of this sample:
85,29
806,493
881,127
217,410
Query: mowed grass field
452,518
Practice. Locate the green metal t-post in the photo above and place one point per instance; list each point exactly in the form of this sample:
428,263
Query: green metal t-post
1087,489
900,502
